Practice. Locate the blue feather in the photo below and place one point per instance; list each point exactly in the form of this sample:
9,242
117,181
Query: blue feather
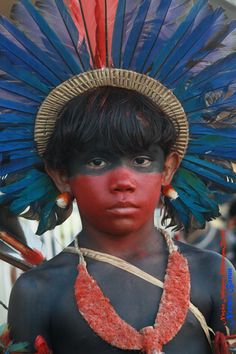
206,130
210,165
6,199
208,74
26,23
186,67
48,219
200,170
117,39
18,154
19,165
82,51
68,59
221,82
18,106
228,153
22,75
181,210
207,96
154,28
213,143
28,59
36,191
14,134
56,14
177,37
190,202
193,185
177,11
14,145
195,209
56,71
15,97
191,45
20,89
31,177
135,33
16,119
224,104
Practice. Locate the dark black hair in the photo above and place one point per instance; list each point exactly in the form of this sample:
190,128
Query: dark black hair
125,120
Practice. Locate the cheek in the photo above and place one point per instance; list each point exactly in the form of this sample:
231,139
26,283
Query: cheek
150,190
94,195
90,193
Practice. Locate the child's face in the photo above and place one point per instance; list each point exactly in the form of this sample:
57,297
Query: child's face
117,193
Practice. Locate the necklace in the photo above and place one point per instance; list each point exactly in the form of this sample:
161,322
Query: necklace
97,310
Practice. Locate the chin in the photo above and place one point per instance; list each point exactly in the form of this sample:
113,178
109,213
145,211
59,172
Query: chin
121,228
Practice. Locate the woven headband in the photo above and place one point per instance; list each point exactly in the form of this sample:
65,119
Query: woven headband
153,89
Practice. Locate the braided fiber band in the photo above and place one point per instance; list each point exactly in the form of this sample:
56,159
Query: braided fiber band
52,106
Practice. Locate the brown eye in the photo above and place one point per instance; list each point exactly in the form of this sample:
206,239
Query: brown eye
142,161
97,163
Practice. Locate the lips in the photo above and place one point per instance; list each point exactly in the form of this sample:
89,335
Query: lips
123,204
123,208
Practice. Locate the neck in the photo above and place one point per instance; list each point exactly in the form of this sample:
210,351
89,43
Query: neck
139,243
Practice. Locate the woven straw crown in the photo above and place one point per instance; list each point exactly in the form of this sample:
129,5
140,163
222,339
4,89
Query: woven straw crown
153,89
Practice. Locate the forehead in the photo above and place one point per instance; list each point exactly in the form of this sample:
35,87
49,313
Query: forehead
101,145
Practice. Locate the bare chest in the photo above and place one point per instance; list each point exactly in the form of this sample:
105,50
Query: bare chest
135,301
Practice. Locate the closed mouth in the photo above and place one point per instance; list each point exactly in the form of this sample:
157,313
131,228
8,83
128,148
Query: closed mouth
123,208
123,205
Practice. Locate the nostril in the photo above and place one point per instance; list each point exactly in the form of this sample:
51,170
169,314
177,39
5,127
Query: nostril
119,185
122,180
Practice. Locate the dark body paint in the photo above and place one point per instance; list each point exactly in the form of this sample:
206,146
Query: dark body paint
42,301
53,312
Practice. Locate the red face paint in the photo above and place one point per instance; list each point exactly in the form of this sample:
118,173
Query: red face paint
118,201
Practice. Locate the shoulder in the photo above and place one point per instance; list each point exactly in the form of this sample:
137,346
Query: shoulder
209,261
33,283
34,294
207,268
213,281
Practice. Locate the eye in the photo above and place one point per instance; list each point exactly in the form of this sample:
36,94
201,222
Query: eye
97,163
142,161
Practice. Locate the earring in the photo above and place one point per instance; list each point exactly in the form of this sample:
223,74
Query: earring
64,200
170,192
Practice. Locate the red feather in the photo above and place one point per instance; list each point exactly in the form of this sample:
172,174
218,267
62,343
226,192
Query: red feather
83,15
101,42
111,16
95,20
32,256
41,346
220,344
5,337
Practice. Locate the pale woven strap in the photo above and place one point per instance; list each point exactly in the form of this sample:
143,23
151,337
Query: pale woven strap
120,263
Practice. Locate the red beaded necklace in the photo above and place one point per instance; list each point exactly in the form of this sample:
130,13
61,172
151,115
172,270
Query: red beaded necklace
106,323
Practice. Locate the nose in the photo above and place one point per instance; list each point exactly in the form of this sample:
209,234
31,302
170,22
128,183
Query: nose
122,180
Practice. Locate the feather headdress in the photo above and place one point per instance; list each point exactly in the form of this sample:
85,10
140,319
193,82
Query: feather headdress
185,51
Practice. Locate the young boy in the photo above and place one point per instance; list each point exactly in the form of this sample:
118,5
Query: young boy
108,98
111,150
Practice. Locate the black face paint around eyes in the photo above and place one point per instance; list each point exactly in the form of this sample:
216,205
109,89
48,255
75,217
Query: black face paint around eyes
97,163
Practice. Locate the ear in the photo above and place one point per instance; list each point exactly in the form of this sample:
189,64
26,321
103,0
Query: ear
171,164
60,179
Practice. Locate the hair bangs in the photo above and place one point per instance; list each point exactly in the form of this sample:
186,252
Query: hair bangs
124,120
